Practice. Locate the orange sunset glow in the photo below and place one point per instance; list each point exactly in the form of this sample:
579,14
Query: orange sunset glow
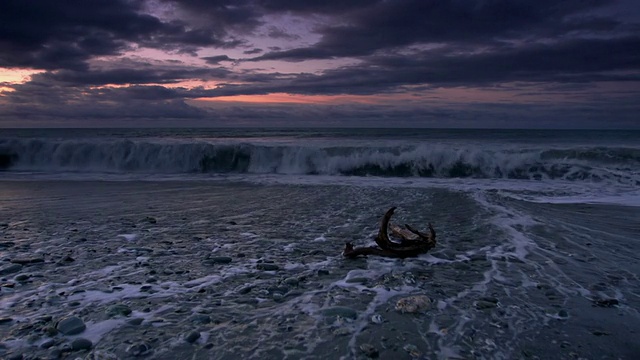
17,76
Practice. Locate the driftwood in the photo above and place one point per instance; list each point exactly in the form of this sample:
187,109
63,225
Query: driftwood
412,242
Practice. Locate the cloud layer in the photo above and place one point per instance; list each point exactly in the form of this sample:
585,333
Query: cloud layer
506,63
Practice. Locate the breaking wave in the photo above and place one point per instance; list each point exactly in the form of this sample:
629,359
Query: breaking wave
614,164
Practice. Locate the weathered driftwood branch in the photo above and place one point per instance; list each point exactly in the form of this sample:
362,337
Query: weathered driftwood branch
412,242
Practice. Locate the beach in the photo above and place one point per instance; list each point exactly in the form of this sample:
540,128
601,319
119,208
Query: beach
226,265
257,271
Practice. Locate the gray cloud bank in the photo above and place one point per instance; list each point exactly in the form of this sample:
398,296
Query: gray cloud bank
581,55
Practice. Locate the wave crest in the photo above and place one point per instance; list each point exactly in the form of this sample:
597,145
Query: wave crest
620,165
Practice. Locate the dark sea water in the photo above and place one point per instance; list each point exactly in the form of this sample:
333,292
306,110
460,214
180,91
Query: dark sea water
538,251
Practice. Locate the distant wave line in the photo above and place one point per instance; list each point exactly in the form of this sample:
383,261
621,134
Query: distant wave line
614,164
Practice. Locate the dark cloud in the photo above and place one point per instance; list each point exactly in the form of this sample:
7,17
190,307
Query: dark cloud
130,76
215,60
316,7
57,103
252,51
221,15
578,60
52,35
389,25
278,33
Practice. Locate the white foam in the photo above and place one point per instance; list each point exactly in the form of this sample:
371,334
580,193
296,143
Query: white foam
204,281
123,291
128,237
294,266
624,199
96,330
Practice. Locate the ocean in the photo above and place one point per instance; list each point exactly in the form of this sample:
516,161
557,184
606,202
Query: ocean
226,243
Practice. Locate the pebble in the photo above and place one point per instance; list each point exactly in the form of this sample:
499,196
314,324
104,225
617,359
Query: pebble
220,259
139,349
71,325
44,318
21,277
369,350
490,299
200,319
481,304
47,344
342,331
606,302
10,269
135,321
81,344
192,337
118,309
291,281
413,304
50,331
478,257
267,267
341,311
413,350
25,261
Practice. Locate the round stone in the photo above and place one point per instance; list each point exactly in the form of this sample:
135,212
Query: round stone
118,309
135,321
369,350
139,349
10,269
291,281
221,259
413,304
267,267
481,304
21,277
341,311
71,325
200,319
81,344
192,337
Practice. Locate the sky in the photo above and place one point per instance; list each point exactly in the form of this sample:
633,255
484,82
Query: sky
344,63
